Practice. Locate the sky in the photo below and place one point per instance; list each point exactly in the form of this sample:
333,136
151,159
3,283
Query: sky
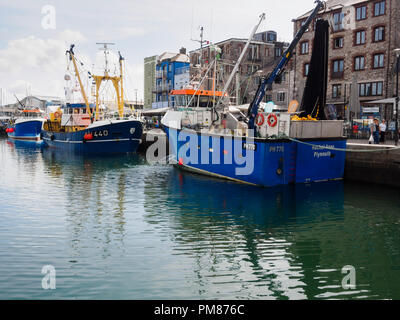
35,34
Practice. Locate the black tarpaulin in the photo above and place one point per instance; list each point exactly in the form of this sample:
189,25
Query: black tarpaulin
314,96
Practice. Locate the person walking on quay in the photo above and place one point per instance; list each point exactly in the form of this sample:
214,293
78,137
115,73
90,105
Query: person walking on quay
375,131
382,129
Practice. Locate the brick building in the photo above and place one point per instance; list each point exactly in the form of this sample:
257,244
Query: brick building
363,37
262,55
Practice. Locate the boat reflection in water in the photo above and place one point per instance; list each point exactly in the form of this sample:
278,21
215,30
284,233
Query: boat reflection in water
249,237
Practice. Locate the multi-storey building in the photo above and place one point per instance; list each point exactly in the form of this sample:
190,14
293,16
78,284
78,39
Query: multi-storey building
263,53
150,64
363,36
172,72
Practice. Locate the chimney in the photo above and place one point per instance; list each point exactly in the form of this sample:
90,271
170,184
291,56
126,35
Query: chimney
182,50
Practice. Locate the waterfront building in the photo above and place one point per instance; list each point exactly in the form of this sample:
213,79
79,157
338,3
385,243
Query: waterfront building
150,64
172,72
31,102
362,40
261,57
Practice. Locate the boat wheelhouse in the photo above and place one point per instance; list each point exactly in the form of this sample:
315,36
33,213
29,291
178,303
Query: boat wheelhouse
191,98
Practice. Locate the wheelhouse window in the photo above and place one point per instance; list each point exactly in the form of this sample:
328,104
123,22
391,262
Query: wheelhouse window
379,60
379,34
361,13
379,8
359,63
360,37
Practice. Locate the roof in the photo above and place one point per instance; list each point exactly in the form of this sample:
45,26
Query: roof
181,58
333,5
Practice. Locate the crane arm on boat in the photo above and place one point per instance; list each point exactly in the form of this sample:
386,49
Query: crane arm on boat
275,74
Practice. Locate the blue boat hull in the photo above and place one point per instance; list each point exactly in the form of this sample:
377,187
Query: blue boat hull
27,130
117,137
270,162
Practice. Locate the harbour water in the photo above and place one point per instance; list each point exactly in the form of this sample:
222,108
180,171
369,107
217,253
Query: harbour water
118,228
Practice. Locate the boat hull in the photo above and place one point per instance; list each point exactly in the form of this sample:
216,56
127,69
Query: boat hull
269,162
108,138
26,130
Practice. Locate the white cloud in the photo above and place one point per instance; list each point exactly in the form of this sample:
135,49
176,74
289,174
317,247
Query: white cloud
37,63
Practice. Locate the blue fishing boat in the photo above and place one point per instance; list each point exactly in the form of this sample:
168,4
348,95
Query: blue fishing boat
73,131
261,148
82,128
28,126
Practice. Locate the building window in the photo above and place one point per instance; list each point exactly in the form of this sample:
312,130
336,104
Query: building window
268,97
304,47
306,69
359,63
281,96
278,52
338,68
338,21
379,60
379,34
361,13
379,8
336,91
360,37
338,43
370,89
303,23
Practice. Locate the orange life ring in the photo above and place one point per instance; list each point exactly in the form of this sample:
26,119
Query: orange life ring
56,114
260,119
272,120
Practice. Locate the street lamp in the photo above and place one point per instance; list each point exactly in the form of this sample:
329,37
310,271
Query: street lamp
397,51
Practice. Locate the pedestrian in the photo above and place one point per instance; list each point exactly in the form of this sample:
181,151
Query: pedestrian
382,129
375,131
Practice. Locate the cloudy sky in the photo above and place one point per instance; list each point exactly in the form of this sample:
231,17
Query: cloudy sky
33,41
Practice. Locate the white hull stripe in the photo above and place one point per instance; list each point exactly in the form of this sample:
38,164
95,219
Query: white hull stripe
25,138
92,141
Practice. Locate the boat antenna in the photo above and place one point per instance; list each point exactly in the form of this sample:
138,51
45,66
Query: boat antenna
106,52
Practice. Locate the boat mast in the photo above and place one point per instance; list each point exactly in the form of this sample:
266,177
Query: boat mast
115,80
72,58
121,105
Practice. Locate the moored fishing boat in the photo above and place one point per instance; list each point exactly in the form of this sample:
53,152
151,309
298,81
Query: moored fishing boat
79,127
262,147
27,126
